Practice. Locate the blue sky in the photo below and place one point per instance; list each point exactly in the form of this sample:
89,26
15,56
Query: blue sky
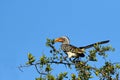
25,25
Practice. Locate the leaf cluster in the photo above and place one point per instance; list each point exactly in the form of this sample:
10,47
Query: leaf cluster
31,59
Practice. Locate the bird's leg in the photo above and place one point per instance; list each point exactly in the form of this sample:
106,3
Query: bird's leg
76,60
65,57
70,59
73,61
79,59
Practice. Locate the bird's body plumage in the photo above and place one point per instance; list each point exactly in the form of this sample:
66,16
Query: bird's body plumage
72,51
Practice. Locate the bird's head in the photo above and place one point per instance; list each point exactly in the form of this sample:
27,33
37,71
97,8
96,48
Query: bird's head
63,40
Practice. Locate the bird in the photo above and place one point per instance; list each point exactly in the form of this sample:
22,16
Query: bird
73,51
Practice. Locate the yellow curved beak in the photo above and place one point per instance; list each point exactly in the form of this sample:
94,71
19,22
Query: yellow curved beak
59,40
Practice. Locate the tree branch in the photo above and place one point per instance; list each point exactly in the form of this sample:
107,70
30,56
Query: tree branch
39,71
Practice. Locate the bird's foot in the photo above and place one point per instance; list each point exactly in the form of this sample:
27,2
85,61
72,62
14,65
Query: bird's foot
76,60
65,57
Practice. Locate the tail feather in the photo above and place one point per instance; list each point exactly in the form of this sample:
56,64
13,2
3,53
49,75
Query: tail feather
91,45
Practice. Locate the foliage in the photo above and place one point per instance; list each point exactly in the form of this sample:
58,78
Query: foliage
85,70
31,59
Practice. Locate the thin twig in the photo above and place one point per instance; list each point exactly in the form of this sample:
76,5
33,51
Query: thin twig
39,71
54,49
65,63
21,66
38,63
116,63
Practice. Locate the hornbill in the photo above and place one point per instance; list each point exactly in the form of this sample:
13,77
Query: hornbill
73,51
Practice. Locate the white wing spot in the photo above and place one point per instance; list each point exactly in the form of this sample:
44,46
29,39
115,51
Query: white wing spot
70,54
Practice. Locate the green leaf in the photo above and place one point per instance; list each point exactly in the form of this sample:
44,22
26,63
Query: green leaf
43,60
97,72
118,66
92,56
39,79
61,76
31,59
65,73
97,46
73,76
48,68
50,77
50,41
53,41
